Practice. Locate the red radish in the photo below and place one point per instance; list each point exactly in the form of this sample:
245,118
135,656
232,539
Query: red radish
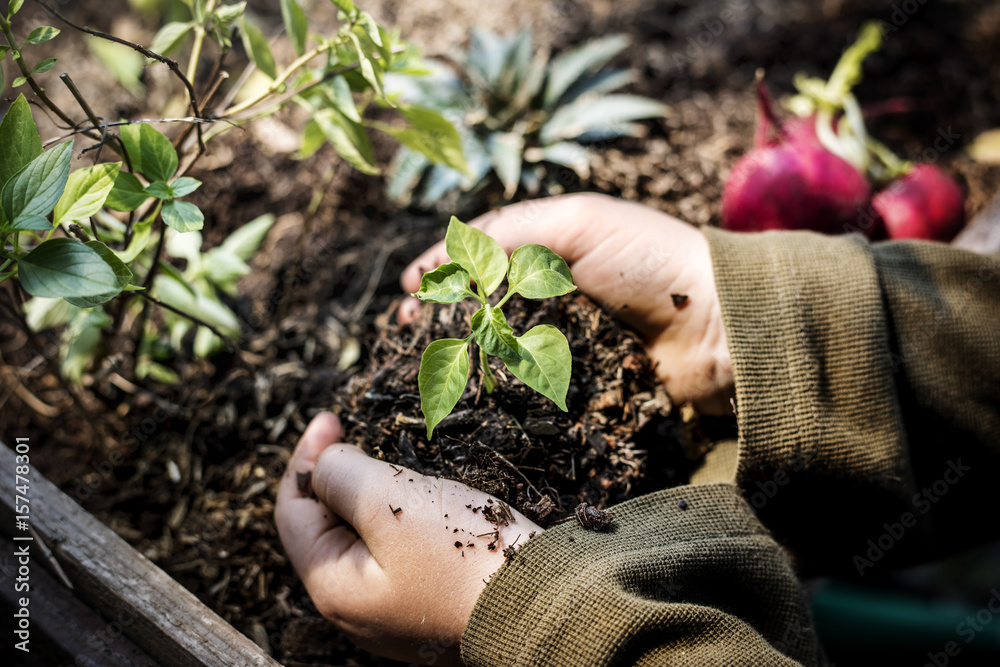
923,204
790,181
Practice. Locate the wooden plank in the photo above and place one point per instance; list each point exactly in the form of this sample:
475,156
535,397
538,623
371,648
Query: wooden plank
64,630
158,614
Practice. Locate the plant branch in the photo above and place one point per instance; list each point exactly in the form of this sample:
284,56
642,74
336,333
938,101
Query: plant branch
197,320
169,62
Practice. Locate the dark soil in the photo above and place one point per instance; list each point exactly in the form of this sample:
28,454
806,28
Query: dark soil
202,458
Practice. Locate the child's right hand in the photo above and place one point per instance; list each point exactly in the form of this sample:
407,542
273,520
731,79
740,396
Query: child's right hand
630,259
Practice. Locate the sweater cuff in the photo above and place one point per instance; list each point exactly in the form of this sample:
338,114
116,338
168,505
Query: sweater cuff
658,587
821,451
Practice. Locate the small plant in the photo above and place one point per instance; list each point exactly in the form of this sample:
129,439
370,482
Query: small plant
540,358
516,111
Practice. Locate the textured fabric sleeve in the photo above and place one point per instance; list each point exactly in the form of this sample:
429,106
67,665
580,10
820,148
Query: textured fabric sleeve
686,576
866,378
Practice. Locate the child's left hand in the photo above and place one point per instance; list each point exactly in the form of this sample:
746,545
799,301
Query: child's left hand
376,547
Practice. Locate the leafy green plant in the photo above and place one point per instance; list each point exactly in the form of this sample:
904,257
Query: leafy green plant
517,111
540,358
82,242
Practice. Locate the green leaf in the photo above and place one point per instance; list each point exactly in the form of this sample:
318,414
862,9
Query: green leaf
86,190
41,34
448,283
229,13
243,243
348,138
18,82
37,187
544,363
160,190
367,23
368,68
170,37
151,153
604,115
255,44
444,372
405,172
3,51
224,268
536,272
81,341
44,66
507,155
432,135
64,267
13,6
203,306
346,6
570,66
122,274
127,194
126,65
184,186
182,216
493,334
339,93
296,24
34,223
44,313
19,140
477,253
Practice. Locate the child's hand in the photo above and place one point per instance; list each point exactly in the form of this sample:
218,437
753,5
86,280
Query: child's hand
376,547
632,260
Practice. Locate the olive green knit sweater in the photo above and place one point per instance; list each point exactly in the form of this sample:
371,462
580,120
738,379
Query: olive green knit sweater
868,402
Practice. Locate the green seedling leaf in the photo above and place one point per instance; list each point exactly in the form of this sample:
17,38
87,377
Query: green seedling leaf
544,363
41,34
81,340
493,334
449,283
34,223
182,216
229,13
150,151
606,116
256,47
477,253
37,187
444,372
160,190
44,66
538,273
170,37
296,24
127,194
368,67
224,269
243,243
18,82
19,140
64,267
86,191
13,6
122,274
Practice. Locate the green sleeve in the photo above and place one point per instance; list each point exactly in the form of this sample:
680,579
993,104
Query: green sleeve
867,383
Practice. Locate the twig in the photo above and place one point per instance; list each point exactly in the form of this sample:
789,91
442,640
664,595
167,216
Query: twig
97,122
194,120
169,62
229,343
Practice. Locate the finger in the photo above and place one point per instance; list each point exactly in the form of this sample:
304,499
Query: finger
301,520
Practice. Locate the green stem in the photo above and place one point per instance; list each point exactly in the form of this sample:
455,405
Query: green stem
199,40
280,81
489,379
506,296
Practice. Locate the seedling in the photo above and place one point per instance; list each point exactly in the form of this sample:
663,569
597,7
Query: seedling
540,358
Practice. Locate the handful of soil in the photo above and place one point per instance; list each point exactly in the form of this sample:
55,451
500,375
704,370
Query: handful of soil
618,439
